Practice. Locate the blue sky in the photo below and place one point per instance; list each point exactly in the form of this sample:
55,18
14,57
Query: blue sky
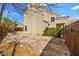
69,9
12,14
64,9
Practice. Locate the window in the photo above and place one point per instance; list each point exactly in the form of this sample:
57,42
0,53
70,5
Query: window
52,19
25,27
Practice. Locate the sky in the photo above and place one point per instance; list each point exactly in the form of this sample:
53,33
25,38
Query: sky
12,14
63,9
68,9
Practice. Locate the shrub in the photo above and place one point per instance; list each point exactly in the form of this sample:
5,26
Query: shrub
46,32
9,24
56,32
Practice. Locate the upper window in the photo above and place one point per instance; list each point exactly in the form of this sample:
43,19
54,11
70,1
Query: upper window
52,19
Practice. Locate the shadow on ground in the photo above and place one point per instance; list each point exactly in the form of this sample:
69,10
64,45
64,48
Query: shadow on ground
2,36
55,47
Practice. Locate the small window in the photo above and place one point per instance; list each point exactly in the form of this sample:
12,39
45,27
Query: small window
25,27
52,19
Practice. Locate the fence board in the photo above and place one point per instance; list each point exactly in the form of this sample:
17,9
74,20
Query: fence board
72,40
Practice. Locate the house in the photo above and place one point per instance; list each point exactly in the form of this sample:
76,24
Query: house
36,19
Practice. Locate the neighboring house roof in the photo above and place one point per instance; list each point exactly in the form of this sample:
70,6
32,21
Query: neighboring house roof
62,17
75,24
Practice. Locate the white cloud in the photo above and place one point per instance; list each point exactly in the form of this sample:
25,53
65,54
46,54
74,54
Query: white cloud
43,4
63,15
75,7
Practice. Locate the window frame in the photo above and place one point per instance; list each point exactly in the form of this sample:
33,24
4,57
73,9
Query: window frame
53,20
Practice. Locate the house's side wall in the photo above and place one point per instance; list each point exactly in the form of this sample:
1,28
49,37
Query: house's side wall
53,24
28,22
47,16
39,24
34,22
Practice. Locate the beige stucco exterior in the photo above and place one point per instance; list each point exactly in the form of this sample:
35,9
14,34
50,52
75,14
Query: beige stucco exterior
34,19
34,22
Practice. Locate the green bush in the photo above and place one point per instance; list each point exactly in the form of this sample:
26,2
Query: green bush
8,25
8,22
46,32
56,32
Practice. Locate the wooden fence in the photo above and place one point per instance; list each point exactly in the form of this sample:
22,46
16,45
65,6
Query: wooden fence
71,36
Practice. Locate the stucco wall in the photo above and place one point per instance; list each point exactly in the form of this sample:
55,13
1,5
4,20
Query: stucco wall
34,22
47,16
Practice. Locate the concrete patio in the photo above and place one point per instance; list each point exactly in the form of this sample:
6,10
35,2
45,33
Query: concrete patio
33,45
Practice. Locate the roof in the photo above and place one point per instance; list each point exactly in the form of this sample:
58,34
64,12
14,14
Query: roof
62,17
74,25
